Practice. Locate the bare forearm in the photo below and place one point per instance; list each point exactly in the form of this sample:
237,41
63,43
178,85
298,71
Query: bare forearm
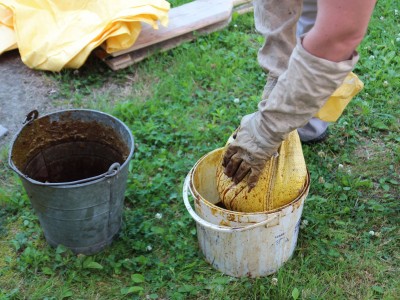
339,28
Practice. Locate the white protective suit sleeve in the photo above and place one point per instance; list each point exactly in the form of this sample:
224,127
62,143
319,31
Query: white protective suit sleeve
299,93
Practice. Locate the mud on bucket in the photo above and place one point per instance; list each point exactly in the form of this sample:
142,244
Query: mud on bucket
73,165
236,243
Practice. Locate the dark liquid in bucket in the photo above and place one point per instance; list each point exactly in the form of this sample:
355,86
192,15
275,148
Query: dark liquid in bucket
221,205
67,150
72,161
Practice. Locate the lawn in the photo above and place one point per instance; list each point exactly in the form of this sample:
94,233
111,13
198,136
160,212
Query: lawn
180,105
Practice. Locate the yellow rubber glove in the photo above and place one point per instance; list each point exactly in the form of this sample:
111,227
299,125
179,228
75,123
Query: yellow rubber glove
337,102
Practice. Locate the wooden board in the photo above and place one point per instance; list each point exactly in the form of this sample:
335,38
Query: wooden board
185,23
243,7
130,58
183,19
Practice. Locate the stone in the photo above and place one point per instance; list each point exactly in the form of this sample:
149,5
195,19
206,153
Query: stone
3,131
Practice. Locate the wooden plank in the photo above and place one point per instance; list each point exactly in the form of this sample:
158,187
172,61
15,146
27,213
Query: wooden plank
127,59
183,19
130,57
244,8
240,2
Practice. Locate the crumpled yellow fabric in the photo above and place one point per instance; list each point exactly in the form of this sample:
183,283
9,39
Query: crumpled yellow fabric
337,102
52,35
282,180
8,40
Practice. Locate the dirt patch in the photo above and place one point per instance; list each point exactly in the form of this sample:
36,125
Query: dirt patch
369,161
21,91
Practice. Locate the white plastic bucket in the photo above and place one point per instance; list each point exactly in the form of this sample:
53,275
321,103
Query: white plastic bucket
236,243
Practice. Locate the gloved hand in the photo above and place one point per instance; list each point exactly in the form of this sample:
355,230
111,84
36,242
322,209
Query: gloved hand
244,155
299,93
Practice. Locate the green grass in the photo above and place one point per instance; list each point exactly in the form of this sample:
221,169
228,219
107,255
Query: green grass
180,105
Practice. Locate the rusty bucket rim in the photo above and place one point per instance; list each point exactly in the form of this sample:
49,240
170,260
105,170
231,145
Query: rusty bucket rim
196,194
111,172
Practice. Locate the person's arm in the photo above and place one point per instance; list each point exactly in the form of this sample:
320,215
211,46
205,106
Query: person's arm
339,28
317,67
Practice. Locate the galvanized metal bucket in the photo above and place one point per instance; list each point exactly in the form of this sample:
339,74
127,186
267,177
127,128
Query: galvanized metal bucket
235,243
73,165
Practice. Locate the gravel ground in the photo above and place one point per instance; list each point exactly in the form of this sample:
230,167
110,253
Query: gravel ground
21,91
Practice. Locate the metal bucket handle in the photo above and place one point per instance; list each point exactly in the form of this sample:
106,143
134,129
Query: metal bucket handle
112,171
33,115
212,226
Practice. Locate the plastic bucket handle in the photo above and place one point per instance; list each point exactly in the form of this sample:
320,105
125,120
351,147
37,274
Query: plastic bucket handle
212,226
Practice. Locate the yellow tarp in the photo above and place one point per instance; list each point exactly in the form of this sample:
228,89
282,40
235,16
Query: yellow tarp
52,35
8,40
